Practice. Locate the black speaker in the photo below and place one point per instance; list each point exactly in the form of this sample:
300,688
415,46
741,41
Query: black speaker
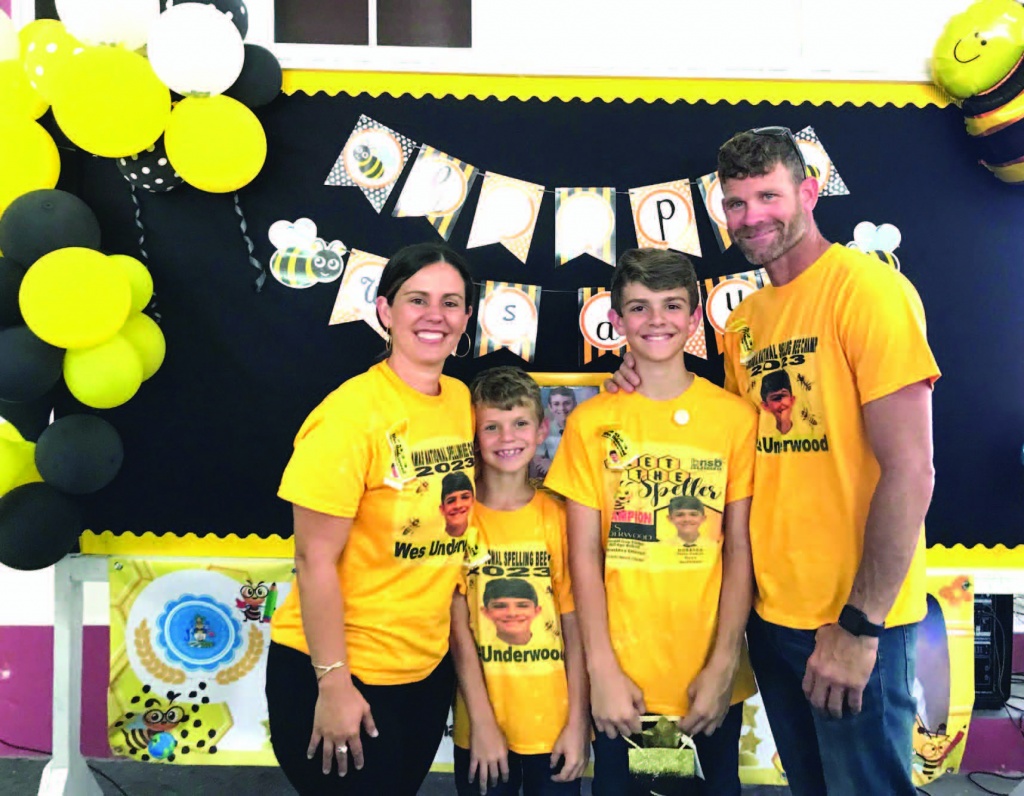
993,650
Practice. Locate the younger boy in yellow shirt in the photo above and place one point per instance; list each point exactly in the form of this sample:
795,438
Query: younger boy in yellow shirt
521,715
659,483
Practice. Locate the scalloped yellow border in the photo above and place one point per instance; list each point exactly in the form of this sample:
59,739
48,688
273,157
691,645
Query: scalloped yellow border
274,546
504,87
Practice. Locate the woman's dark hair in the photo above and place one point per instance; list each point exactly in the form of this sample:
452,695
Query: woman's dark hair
408,261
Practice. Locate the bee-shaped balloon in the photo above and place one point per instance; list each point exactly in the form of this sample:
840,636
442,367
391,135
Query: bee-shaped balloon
301,258
880,241
368,163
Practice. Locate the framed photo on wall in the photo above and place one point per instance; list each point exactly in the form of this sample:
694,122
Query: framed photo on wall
561,393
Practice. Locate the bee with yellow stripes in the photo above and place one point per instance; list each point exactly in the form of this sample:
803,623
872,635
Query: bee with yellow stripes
301,267
369,164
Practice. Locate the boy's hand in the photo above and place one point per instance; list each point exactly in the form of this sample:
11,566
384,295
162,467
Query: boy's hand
573,744
625,378
710,695
616,702
488,754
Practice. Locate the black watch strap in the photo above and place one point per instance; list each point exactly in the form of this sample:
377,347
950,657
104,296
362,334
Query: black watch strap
855,622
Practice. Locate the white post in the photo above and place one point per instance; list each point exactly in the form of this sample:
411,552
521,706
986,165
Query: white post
67,773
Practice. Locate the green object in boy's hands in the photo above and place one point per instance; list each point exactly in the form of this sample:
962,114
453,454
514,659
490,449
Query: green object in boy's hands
665,734
660,762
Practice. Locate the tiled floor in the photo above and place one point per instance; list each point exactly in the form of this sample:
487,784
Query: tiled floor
20,777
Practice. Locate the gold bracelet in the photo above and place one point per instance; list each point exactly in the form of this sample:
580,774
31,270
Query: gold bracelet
322,669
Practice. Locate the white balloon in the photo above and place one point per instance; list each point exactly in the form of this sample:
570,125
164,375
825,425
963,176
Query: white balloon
196,50
9,47
864,236
124,22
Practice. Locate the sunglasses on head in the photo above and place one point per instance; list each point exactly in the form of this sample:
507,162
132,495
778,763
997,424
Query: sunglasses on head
785,134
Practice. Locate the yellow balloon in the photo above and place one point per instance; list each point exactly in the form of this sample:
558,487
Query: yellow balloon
17,463
17,98
29,159
46,54
112,103
75,298
139,278
215,144
148,341
103,376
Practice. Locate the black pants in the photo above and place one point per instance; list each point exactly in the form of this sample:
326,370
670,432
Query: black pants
410,719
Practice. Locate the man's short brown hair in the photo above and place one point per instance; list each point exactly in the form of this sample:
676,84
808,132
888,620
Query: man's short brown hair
655,269
505,388
751,154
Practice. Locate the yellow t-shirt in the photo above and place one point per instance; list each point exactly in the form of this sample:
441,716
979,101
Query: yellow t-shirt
518,630
377,450
629,457
847,331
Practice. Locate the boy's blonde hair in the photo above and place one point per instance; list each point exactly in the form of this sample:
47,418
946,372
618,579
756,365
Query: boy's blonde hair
506,388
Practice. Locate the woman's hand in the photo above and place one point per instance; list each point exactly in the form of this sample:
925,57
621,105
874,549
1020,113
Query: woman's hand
340,713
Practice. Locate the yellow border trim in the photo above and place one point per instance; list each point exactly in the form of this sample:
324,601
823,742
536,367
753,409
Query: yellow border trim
576,379
251,546
630,89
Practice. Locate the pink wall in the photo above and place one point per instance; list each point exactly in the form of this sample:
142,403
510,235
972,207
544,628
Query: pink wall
5,6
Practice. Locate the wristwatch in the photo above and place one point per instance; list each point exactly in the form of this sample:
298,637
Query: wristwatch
855,622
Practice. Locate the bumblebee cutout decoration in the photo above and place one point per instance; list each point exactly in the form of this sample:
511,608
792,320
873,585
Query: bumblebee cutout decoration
301,258
164,729
881,241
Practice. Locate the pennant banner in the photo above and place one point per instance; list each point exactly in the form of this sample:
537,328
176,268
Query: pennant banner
188,657
711,190
697,343
436,188
372,159
506,214
357,295
820,165
725,293
585,224
663,216
597,335
507,318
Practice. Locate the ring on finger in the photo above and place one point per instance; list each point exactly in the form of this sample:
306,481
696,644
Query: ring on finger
342,749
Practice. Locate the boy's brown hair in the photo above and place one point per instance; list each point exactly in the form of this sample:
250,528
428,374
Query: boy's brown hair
655,269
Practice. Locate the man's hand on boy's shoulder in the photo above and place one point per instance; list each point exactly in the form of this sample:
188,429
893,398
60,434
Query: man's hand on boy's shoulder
710,696
572,746
625,378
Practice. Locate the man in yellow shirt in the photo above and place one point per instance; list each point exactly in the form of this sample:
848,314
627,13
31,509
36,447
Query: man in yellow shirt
841,490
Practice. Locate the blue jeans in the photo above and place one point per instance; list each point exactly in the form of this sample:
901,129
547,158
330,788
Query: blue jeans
855,755
532,773
719,759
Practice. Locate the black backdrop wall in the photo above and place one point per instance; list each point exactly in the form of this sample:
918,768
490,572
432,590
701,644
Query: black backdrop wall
207,437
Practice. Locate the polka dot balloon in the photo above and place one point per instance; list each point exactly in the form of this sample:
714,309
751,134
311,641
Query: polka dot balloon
150,170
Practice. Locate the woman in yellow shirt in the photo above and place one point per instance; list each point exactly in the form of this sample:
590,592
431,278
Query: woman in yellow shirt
359,680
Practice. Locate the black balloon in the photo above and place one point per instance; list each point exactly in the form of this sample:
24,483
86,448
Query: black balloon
234,9
150,170
28,366
10,283
260,80
39,222
38,526
79,454
30,417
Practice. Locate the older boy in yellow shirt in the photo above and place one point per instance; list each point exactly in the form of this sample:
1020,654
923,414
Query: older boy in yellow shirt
521,715
662,616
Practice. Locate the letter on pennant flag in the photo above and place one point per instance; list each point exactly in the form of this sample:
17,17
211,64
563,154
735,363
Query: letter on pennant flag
597,335
697,343
357,296
725,294
506,214
585,224
819,164
663,216
372,159
711,190
437,187
507,318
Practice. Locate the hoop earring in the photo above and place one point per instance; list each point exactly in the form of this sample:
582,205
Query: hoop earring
469,345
